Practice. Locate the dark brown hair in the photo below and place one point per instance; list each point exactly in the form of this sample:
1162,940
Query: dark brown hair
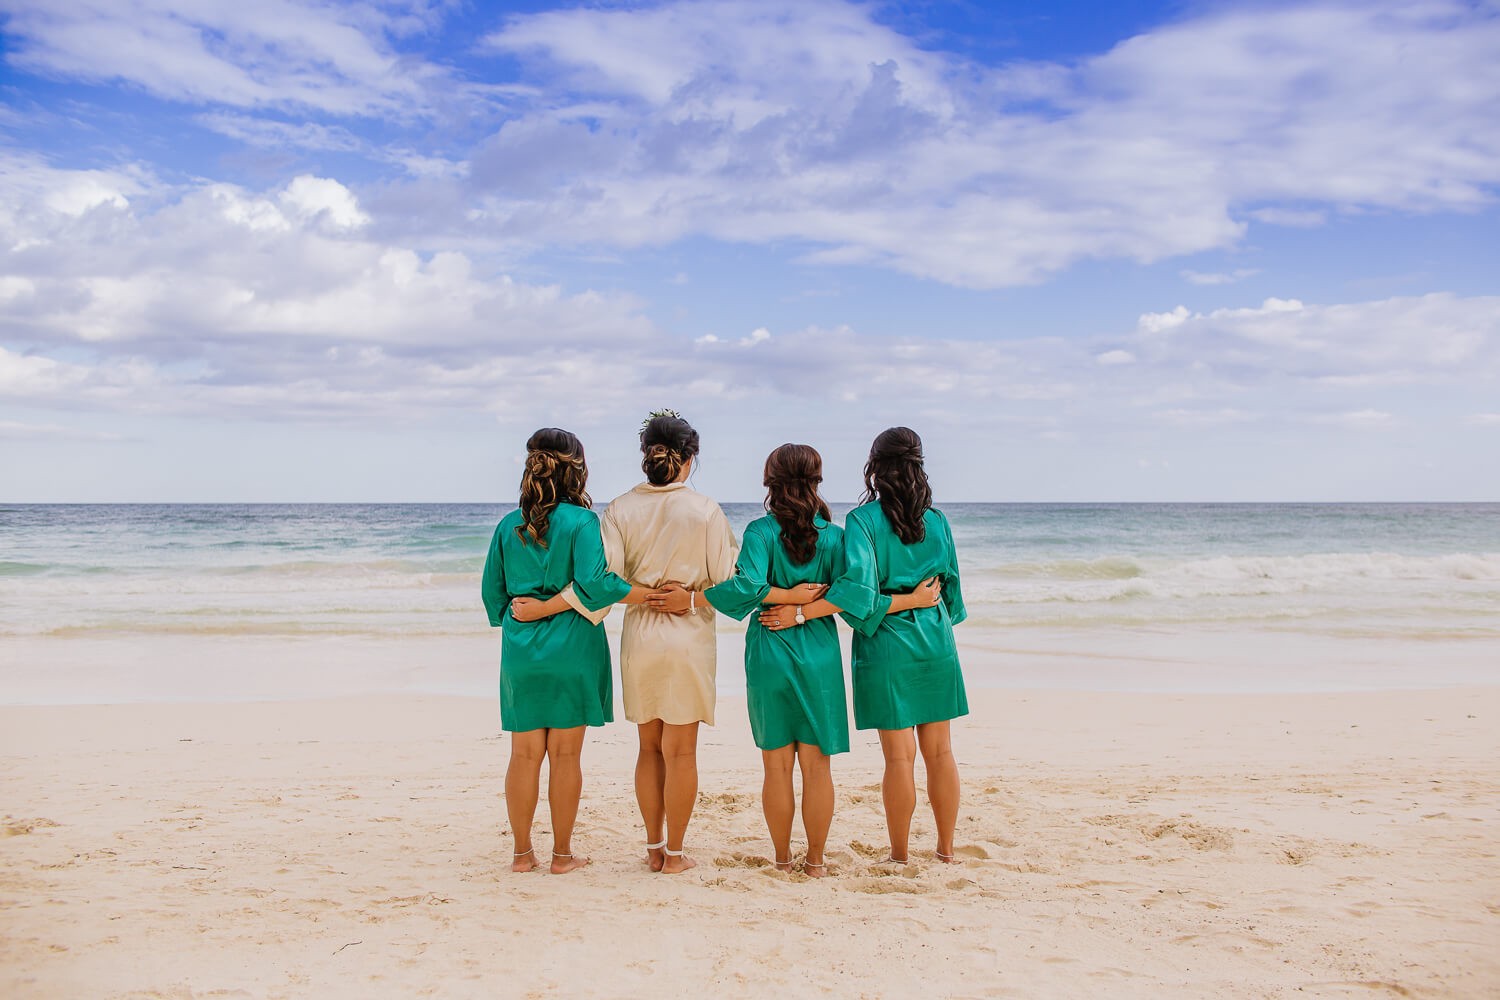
793,473
894,474
555,472
667,442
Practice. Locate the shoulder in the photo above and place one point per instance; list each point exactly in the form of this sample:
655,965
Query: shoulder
830,531
866,515
703,500
511,520
572,514
763,527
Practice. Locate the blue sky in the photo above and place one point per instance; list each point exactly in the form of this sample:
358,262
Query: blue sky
1117,251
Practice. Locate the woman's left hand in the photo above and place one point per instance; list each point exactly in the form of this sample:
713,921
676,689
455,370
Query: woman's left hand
779,616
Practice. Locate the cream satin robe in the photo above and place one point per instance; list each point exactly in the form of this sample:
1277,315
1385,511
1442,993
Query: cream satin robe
653,535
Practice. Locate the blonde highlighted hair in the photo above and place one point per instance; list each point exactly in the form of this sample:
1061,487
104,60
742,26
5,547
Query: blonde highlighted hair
555,473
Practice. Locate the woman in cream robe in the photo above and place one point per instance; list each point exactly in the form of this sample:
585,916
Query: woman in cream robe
655,536
667,533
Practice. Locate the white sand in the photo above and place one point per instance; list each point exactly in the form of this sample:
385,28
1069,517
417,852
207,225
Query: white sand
1114,845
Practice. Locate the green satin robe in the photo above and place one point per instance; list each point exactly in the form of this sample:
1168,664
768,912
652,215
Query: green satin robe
794,677
555,672
905,665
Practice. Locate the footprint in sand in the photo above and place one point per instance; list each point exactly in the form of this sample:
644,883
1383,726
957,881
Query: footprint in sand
881,886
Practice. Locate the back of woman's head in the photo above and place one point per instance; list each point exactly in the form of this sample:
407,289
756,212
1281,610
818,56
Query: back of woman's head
894,474
667,444
555,472
793,473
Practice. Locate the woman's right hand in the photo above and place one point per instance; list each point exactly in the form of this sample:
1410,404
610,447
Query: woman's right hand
525,609
805,593
671,598
927,595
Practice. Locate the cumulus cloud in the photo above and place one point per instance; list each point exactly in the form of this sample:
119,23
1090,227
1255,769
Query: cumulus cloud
277,302
810,121
760,122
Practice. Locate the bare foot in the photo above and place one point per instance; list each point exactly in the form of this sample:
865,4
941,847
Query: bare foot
677,865
948,859
812,870
564,863
783,866
524,862
654,858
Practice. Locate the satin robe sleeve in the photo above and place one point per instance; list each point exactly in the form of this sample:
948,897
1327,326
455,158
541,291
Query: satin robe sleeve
743,593
857,589
953,595
594,589
492,583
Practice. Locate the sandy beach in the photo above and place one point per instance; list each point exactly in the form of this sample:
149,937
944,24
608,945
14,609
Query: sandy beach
1123,845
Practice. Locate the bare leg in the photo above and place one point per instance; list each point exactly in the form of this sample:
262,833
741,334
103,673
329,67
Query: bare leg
817,805
942,782
899,787
679,750
564,788
779,802
522,783
650,788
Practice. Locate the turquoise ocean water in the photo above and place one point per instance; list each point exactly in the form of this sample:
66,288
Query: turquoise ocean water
1411,591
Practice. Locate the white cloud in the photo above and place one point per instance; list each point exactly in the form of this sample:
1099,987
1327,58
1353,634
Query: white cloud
1157,322
1290,217
1218,278
322,198
1484,419
1205,418
760,122
1115,357
770,121
335,58
15,430
1356,419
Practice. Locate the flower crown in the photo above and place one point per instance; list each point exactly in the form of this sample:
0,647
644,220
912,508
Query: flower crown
663,412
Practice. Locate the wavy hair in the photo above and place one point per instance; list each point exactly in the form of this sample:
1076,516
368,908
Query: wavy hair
667,443
894,475
792,475
555,473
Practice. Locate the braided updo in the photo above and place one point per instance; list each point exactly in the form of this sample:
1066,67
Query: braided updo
667,444
894,474
555,473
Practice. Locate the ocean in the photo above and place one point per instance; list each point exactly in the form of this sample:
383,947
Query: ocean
1095,596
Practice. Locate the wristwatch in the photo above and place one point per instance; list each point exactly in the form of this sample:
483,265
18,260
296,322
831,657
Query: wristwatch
801,618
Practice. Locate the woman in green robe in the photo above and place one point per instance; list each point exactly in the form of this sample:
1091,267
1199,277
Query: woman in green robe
794,679
794,676
555,676
907,680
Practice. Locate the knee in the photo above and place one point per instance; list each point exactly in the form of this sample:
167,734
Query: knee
900,756
813,763
527,756
565,754
937,752
678,753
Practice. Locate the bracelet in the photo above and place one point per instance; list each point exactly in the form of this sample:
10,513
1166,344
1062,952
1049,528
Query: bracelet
692,603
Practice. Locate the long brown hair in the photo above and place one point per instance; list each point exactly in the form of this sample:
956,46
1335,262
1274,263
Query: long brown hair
894,474
555,472
793,473
667,443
